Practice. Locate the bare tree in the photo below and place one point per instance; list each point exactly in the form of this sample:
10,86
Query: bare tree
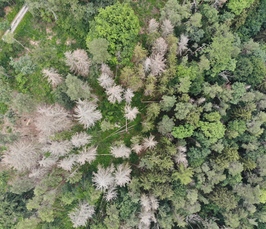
159,46
39,172
149,143
81,214
87,155
181,158
80,139
145,202
105,69
78,61
58,149
67,163
86,113
122,174
114,93
105,81
153,26
120,151
52,119
111,194
22,155
54,78
128,95
149,205
147,64
157,64
137,148
167,27
146,217
131,113
182,44
103,179
154,202
48,162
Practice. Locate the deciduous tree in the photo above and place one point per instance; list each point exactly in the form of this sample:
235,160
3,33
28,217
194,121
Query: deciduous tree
98,48
76,88
119,26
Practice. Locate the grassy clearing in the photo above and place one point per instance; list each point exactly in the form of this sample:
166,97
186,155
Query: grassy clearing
12,14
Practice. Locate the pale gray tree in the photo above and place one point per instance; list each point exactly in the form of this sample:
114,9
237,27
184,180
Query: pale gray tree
122,174
147,64
137,148
80,215
87,155
111,194
53,77
105,81
131,113
159,46
22,155
167,27
182,44
67,163
86,113
154,202
157,64
149,143
149,205
145,202
58,149
146,217
149,202
52,119
78,61
128,95
39,172
153,26
48,162
114,94
120,151
105,69
80,139
103,178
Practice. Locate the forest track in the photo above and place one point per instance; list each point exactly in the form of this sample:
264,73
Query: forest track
14,24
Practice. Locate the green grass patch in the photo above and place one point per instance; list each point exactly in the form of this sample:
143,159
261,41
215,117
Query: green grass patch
28,29
12,14
3,108
36,85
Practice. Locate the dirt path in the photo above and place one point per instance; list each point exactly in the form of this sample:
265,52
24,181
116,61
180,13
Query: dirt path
17,19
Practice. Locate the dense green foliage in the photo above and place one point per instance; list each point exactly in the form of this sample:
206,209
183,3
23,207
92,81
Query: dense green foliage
158,126
120,27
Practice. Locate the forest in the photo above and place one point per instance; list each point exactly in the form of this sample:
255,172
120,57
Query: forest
144,114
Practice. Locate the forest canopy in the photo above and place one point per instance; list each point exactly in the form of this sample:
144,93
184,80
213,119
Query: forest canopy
133,114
